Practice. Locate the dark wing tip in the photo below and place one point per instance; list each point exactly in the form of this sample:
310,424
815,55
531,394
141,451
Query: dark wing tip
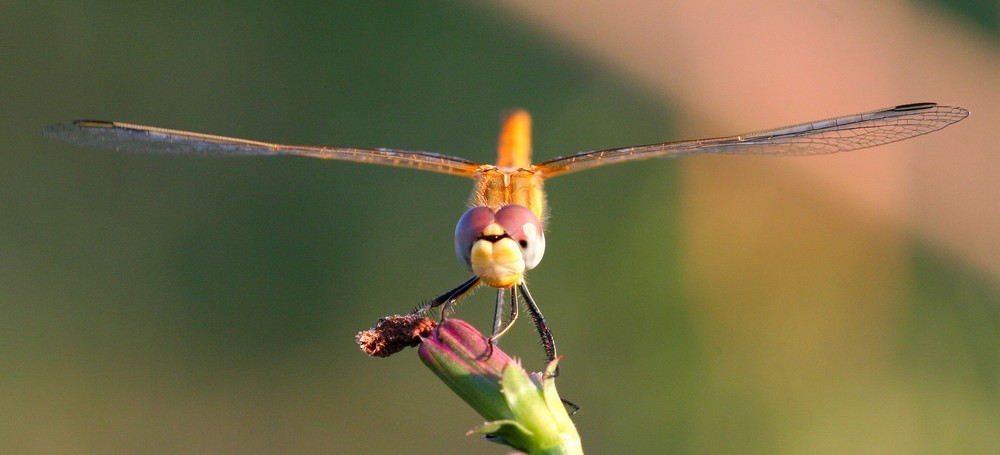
958,111
85,133
914,106
93,123
59,131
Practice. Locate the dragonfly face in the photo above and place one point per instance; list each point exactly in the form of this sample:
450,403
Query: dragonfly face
499,247
501,237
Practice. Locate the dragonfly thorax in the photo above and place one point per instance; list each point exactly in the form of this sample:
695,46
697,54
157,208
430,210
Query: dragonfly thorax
497,187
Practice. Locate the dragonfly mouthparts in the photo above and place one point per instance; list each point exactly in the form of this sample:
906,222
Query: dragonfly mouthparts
494,238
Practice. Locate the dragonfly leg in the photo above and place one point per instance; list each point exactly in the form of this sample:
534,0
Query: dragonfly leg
548,343
513,304
498,314
499,327
448,298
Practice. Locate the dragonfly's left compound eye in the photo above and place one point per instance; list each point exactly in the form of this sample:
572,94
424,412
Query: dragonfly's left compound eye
469,229
521,224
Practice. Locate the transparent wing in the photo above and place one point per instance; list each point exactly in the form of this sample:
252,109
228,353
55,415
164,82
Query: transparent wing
148,139
838,134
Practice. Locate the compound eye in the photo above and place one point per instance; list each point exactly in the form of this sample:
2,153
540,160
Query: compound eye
521,224
469,228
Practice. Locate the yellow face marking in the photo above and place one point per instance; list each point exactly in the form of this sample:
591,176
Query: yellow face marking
493,229
499,264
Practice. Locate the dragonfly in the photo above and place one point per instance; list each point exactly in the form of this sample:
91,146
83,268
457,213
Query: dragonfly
501,236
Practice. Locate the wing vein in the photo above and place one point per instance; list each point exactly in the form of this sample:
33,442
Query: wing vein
834,135
147,139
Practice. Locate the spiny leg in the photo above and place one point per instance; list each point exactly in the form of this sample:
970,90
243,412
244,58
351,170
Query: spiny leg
499,327
513,305
548,343
448,298
498,314
498,324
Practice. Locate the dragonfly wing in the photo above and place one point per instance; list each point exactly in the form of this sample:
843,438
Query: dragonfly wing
147,139
838,134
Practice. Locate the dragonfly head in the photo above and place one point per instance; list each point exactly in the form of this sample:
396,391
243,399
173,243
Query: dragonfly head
499,247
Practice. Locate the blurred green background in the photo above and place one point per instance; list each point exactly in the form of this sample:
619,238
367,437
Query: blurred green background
156,304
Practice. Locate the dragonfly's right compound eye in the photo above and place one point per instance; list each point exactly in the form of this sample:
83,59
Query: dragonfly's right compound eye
469,229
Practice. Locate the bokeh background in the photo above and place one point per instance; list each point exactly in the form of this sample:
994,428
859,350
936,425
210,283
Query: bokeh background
836,304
